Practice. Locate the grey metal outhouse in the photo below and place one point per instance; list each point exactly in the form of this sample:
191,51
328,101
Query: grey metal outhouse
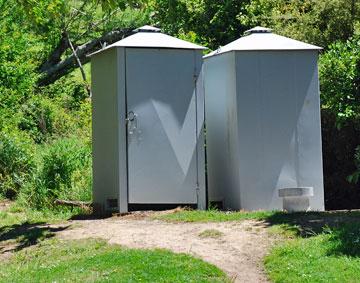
263,128
148,115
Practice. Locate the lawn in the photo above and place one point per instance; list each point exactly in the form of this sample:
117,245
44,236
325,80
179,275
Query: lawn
95,261
40,257
213,215
325,247
313,247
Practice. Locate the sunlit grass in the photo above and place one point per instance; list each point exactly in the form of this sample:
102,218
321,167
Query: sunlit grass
213,215
96,261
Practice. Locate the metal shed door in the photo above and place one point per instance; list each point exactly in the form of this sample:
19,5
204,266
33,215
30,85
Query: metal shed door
161,125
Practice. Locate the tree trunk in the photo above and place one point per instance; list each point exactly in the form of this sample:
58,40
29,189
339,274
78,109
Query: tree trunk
55,56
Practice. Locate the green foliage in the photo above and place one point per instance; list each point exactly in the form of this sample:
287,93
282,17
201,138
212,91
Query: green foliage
209,22
217,23
65,173
46,18
16,161
38,118
62,159
56,111
317,22
96,261
340,79
18,51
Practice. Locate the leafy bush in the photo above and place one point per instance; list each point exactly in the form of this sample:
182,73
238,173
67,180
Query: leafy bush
340,80
340,95
65,173
68,91
37,119
317,22
44,118
16,161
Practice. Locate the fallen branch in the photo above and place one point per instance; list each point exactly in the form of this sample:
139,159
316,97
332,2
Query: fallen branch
54,72
72,203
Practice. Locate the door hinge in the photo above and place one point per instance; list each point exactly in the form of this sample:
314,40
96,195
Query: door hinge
197,190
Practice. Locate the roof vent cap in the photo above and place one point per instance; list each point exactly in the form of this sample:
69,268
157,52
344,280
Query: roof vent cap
147,29
258,30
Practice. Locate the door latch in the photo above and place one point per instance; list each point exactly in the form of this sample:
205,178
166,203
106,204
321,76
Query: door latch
131,122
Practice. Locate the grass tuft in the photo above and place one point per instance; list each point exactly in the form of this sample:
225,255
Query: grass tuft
211,233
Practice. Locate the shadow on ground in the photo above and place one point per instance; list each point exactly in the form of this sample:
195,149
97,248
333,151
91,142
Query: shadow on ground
26,234
342,228
91,216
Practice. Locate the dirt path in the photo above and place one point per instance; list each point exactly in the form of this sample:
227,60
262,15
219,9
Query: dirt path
236,247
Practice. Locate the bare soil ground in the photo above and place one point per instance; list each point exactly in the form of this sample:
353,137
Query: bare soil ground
236,247
4,205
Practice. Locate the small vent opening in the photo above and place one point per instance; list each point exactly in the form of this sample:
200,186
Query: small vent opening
112,203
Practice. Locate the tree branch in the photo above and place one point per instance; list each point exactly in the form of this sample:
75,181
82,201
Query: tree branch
53,72
79,65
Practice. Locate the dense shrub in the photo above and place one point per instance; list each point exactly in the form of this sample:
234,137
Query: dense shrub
65,173
340,80
340,96
16,161
37,119
339,145
44,118
68,91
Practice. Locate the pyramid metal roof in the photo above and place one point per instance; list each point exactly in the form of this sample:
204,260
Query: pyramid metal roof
260,38
151,37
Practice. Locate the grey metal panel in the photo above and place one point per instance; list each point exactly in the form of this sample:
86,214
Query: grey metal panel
105,128
122,129
200,111
310,163
161,150
267,119
219,93
279,126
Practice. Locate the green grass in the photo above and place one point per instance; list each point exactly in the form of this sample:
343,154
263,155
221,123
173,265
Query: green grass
324,247
23,228
312,260
96,261
213,215
17,216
